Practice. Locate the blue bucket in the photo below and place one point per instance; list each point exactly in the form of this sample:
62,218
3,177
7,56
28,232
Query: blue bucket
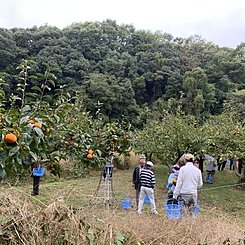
38,171
126,203
173,211
147,200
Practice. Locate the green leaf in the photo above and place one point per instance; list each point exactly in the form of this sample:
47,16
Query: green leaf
34,155
2,173
20,89
14,150
24,119
16,97
26,108
57,118
47,97
120,238
28,131
52,82
34,95
39,132
19,160
2,93
99,153
40,75
36,88
21,85
32,77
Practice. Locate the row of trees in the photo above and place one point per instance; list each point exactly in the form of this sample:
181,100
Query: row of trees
65,129
169,138
90,81
127,69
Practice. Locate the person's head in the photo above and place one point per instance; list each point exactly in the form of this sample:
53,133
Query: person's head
175,168
196,163
149,165
142,160
189,157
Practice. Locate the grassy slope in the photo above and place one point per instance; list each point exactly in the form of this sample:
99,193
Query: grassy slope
226,204
77,192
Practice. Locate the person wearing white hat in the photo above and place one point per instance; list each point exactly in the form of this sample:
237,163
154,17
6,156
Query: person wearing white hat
189,181
147,181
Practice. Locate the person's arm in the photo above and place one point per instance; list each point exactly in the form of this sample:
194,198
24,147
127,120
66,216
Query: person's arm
200,183
153,180
135,176
170,177
178,185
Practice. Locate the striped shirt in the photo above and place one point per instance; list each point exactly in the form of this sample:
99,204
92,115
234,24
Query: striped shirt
147,178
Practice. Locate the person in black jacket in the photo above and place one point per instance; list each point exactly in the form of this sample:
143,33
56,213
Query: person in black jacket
136,176
36,179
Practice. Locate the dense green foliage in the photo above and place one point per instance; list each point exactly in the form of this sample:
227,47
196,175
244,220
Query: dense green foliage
127,69
41,130
91,82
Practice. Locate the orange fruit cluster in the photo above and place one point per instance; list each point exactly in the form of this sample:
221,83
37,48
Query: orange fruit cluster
90,154
35,124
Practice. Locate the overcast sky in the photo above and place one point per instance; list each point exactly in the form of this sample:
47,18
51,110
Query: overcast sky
218,21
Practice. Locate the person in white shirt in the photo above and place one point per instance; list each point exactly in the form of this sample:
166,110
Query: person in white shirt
189,181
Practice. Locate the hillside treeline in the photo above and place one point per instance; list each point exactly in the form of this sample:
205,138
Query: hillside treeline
122,72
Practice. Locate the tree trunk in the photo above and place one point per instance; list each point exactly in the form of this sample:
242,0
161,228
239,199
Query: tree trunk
240,169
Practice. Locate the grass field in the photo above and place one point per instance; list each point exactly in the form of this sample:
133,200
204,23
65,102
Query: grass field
61,214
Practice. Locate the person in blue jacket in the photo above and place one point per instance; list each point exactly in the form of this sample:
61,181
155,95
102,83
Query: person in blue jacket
172,179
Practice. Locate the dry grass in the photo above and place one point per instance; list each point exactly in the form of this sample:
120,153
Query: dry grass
62,215
23,222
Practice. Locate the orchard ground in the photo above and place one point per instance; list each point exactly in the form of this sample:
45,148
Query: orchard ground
61,214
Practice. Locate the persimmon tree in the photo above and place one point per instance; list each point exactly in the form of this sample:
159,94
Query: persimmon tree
226,137
168,138
51,128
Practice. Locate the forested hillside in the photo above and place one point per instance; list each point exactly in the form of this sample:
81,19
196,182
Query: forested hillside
127,70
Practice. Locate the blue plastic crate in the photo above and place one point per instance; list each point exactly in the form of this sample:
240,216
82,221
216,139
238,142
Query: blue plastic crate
147,200
126,203
38,171
173,211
